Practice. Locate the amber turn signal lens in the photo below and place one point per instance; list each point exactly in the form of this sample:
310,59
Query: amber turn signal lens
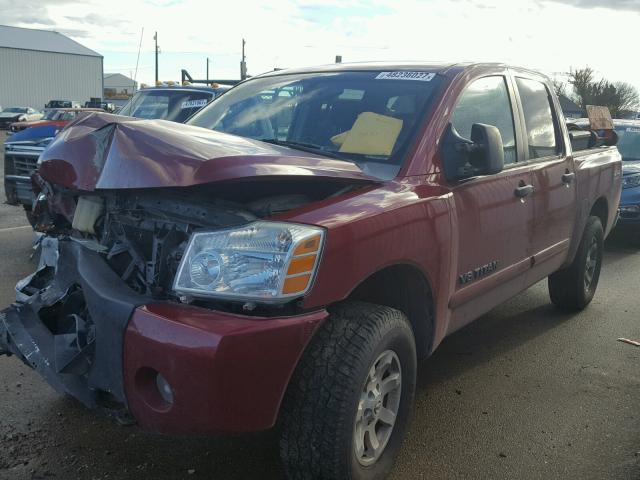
296,284
301,264
310,245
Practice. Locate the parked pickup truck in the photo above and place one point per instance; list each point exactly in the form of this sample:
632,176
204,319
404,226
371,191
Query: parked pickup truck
176,103
289,254
23,148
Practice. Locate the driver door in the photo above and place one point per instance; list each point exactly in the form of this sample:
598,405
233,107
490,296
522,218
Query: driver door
494,212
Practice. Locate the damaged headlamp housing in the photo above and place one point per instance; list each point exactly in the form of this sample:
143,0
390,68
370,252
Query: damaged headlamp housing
262,262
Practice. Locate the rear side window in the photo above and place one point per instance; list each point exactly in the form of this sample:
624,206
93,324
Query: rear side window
487,101
538,117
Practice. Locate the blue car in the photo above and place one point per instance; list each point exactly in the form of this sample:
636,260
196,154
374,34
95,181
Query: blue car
629,146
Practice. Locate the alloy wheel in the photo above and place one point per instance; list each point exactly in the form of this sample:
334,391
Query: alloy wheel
378,408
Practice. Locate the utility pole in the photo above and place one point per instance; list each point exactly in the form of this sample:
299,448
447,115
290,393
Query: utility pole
207,70
155,37
243,63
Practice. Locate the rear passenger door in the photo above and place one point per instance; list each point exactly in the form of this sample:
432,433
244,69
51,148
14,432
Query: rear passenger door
493,222
554,197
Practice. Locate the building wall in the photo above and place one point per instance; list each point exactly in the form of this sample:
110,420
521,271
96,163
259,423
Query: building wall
118,87
32,78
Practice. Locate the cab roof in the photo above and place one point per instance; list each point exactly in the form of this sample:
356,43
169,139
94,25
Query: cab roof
441,68
436,67
183,88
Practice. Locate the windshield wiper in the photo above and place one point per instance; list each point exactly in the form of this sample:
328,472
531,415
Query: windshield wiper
305,147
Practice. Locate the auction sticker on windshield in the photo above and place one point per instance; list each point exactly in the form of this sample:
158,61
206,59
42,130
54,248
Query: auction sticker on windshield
404,75
194,103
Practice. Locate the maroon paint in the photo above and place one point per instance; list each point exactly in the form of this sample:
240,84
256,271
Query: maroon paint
419,219
228,372
105,151
445,229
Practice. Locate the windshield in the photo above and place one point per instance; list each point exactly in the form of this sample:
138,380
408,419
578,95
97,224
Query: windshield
365,117
629,142
50,115
16,110
66,115
175,105
58,104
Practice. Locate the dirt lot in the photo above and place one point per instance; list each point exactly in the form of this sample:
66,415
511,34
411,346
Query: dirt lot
524,393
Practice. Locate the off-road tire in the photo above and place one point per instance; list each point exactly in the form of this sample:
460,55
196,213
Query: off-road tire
567,287
319,409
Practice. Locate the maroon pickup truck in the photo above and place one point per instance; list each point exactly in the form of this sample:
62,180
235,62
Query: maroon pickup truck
286,257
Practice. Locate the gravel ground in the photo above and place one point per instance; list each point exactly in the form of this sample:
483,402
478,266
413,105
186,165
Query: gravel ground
525,392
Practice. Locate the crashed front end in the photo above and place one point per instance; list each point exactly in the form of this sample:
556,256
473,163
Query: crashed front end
173,307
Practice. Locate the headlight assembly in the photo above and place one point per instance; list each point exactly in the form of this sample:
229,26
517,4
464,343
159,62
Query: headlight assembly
261,262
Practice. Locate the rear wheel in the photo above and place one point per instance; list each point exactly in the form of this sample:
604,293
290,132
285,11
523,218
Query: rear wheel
573,288
345,413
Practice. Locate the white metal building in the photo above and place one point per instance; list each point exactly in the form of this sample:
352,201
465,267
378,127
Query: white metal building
41,65
116,85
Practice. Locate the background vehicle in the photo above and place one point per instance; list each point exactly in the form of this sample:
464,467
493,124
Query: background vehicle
292,259
629,145
628,132
62,104
55,117
20,161
106,106
174,103
18,114
23,148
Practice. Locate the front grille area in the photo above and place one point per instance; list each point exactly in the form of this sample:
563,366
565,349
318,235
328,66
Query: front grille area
21,160
23,165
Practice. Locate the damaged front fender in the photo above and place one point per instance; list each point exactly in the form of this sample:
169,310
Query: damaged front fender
69,320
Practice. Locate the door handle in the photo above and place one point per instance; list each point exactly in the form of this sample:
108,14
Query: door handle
523,190
568,177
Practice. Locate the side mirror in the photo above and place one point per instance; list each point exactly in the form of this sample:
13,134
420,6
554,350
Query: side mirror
488,157
482,155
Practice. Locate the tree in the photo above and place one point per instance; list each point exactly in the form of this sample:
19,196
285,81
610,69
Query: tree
620,97
627,99
559,87
582,81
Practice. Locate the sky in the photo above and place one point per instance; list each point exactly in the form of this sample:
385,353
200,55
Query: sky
552,36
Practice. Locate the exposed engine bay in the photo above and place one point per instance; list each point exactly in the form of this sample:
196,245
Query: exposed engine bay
143,233
137,215
103,254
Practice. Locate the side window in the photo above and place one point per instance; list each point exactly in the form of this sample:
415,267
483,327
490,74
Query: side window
487,101
538,117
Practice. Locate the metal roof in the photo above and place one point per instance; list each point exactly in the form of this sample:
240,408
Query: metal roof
42,41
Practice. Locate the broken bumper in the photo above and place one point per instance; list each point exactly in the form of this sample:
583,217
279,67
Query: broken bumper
178,369
19,190
226,373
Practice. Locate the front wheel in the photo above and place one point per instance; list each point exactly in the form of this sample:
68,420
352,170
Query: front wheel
346,410
573,288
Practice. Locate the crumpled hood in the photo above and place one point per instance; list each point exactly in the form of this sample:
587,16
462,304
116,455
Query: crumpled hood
103,151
